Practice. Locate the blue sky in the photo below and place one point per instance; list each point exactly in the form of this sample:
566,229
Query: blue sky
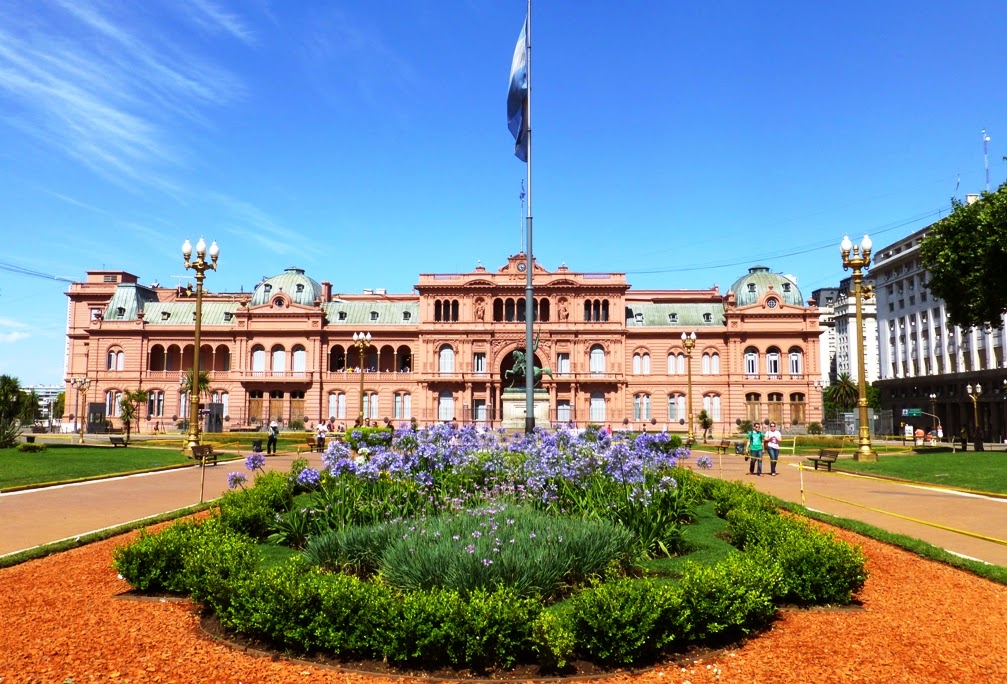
366,141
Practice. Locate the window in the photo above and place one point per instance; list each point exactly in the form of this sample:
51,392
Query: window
711,402
228,315
224,400
752,406
406,315
641,363
479,362
751,287
300,359
341,315
776,407
112,398
714,363
563,363
786,287
403,407
279,359
705,366
641,407
446,360
115,360
562,411
773,361
445,406
155,403
597,359
300,287
708,318
258,359
597,407
638,318
673,318
374,315
796,362
676,407
96,314
371,405
751,361
337,405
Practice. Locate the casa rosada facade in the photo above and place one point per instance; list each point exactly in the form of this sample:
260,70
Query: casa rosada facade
286,352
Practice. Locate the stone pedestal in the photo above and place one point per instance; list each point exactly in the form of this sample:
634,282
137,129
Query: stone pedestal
515,405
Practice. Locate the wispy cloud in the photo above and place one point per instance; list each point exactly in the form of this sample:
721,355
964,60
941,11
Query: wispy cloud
252,223
212,18
11,323
15,336
111,88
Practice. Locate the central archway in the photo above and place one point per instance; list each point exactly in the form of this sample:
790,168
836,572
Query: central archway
507,363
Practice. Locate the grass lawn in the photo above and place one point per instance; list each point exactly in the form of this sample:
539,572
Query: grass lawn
70,462
704,547
980,471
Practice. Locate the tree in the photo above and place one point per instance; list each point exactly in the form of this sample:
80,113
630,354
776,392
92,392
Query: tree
58,406
138,398
29,406
705,422
127,412
964,255
203,385
844,393
11,407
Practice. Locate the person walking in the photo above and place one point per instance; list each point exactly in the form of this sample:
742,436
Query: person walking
272,434
755,437
320,436
773,439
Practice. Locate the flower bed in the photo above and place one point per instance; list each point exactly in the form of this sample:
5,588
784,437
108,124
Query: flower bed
465,548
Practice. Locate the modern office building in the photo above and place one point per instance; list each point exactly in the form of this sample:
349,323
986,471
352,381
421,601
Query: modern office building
927,364
285,350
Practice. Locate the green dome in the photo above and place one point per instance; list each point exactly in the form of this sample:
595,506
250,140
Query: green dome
750,288
293,283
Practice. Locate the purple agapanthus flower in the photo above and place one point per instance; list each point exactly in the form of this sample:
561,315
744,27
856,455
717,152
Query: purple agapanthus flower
255,462
309,477
235,480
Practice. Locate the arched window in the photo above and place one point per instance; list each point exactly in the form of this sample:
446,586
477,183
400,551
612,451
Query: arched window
641,363
715,363
337,405
641,407
258,359
543,310
680,363
157,358
752,361
797,408
676,407
446,360
596,414
796,361
173,358
772,361
279,359
521,310
753,406
509,311
776,407
498,310
337,359
597,359
705,364
224,399
454,310
711,403
115,360
403,359
437,311
371,405
300,360
445,405
403,407
587,310
155,403
604,311
222,358
112,398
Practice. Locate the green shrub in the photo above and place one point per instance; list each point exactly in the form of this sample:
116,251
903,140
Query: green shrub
356,549
31,447
817,567
296,425
155,562
553,638
213,560
814,428
731,598
368,437
627,620
253,511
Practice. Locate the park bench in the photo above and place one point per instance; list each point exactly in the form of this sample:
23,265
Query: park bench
826,457
724,445
117,442
204,453
313,445
689,442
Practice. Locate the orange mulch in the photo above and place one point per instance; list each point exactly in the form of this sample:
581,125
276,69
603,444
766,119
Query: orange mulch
919,622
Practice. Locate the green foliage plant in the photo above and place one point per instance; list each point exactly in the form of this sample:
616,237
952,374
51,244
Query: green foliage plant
31,448
254,511
814,428
358,437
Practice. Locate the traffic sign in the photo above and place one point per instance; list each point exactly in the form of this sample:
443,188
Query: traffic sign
912,413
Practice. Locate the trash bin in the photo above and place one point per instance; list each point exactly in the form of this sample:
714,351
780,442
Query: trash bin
30,439
257,445
739,447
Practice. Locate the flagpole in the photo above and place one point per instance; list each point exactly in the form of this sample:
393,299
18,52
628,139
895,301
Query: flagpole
529,424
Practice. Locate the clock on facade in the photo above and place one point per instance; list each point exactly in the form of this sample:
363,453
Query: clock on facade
522,266
771,303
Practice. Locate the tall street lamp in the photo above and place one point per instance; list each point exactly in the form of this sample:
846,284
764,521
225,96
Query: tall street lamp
361,341
974,394
80,384
859,259
689,340
200,266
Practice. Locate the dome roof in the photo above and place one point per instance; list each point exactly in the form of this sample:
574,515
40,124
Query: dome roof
292,282
750,288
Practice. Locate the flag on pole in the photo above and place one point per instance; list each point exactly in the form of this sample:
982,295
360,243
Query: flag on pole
521,196
517,95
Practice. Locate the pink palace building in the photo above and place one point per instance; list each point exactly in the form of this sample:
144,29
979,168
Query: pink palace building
285,351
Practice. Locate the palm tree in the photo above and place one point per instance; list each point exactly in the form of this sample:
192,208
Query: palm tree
129,408
203,385
844,393
705,422
11,405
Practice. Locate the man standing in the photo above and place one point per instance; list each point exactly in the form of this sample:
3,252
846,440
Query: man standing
755,449
274,432
773,439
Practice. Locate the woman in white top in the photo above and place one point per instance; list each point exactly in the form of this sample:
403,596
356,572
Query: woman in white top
773,439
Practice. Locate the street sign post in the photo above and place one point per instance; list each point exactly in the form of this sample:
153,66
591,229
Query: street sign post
912,413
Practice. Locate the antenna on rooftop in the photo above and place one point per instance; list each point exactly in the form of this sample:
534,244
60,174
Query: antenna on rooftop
986,158
179,279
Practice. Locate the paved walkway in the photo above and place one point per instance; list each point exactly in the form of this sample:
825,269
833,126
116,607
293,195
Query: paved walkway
37,516
942,517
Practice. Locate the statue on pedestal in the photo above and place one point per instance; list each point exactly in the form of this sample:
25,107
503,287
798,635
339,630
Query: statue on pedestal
521,364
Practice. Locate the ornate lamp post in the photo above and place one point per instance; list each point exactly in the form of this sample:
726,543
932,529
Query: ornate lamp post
689,340
933,412
200,266
81,384
859,259
361,341
974,394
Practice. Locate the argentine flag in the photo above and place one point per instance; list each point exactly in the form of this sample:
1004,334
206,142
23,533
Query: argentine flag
517,95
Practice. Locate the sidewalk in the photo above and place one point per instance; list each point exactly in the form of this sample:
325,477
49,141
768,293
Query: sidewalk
919,511
38,516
